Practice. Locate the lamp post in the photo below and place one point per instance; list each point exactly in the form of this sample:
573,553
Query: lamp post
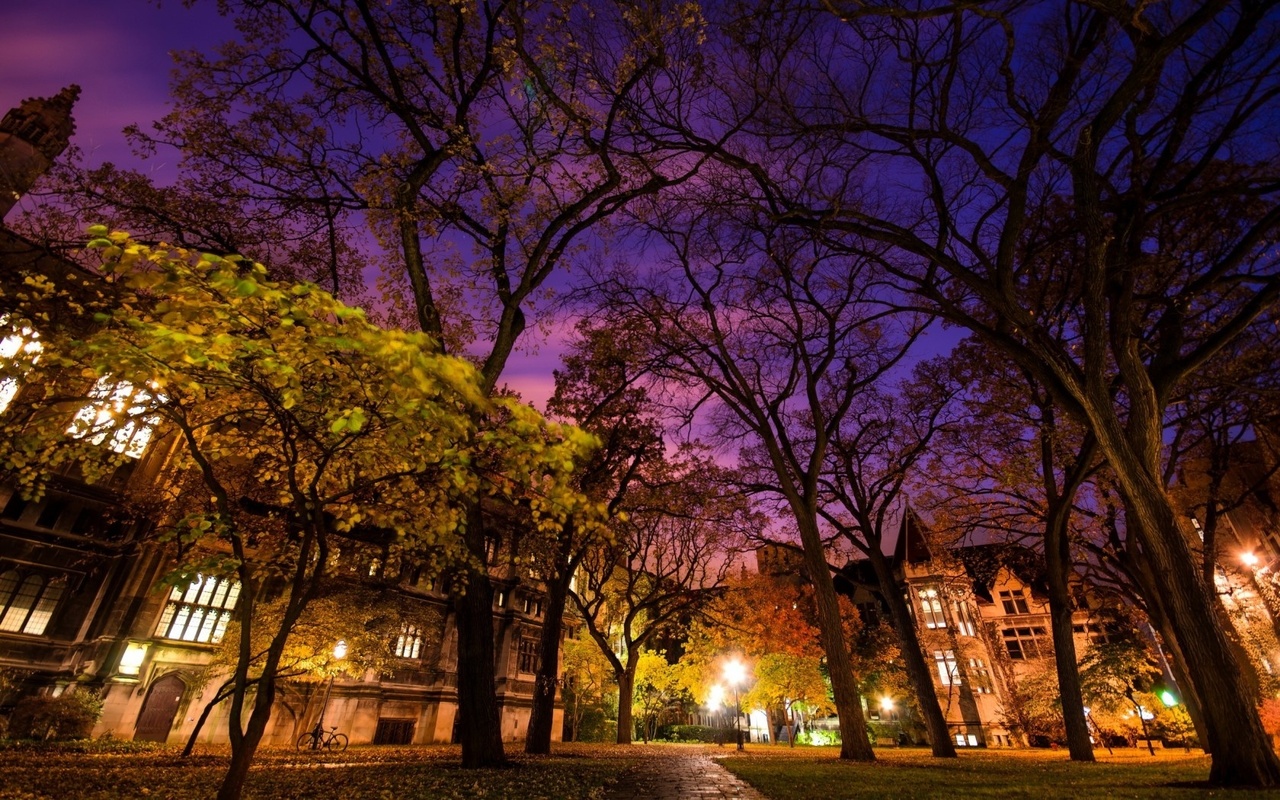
339,653
735,672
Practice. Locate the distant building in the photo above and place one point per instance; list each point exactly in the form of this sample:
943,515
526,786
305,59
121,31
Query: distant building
982,616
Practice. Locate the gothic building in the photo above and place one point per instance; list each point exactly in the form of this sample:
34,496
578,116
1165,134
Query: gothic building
982,616
83,607
31,137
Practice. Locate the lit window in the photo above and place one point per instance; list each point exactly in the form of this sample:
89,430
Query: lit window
1014,602
135,653
946,662
964,619
931,605
199,613
27,601
533,606
116,409
21,346
528,655
409,642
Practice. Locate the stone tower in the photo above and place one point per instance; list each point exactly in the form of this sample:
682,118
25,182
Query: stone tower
31,137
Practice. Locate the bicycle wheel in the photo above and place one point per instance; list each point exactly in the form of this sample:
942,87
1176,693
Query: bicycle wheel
306,741
337,742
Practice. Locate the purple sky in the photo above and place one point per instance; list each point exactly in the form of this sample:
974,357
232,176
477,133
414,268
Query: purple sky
118,51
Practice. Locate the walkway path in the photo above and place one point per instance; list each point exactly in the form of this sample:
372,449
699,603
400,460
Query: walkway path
680,777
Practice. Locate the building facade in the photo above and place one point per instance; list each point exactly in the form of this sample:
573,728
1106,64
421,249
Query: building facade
84,606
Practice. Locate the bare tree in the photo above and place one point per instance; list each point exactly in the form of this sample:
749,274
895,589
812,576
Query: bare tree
876,447
780,335
947,133
684,524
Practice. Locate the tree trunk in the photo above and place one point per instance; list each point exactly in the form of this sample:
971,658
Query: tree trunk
246,746
480,722
854,744
1140,571
1242,753
626,693
542,714
1057,548
1189,697
913,657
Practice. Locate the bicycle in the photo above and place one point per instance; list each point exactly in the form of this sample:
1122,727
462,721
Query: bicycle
318,738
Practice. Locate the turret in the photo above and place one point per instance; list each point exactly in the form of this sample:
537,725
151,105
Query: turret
31,137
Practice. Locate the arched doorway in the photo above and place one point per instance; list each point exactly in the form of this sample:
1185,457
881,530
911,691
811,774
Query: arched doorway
156,718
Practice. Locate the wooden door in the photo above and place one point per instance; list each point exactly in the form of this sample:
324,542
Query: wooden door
156,719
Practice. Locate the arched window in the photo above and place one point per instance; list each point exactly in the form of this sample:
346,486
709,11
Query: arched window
931,605
409,642
27,601
200,612
117,409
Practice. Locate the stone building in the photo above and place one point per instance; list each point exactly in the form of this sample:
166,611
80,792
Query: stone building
982,617
31,137
82,603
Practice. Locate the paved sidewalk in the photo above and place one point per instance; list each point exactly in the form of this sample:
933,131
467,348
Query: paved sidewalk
680,777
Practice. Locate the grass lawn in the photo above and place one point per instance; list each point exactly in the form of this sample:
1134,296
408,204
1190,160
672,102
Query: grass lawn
802,774
581,772
573,772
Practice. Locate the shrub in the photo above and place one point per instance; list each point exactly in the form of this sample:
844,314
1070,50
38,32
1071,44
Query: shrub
70,715
595,728
691,733
103,745
818,738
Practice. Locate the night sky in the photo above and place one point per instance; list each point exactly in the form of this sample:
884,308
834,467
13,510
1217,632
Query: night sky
119,53
117,50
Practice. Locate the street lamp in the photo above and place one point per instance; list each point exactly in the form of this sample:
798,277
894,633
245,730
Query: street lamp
339,653
886,710
735,672
1249,559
